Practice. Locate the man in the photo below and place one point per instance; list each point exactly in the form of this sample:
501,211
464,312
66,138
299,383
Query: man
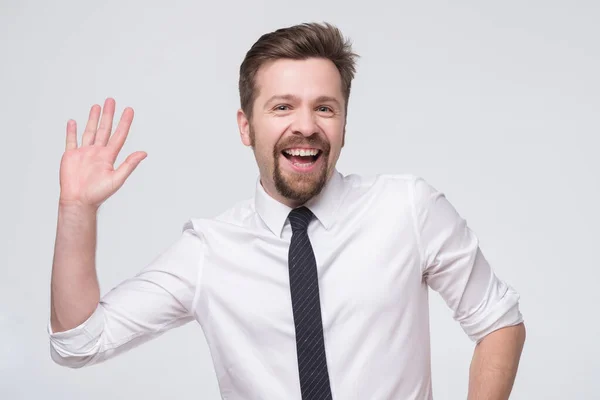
314,288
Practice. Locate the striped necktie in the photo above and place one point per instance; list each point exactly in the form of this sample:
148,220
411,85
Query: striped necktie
304,287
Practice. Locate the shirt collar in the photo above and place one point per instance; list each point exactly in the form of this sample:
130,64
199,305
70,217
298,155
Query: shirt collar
323,206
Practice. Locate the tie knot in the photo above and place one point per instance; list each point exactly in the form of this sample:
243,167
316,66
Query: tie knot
299,218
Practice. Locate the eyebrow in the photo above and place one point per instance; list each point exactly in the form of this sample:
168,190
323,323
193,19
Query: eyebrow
284,97
291,97
326,99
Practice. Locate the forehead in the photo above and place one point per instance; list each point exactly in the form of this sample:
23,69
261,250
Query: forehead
310,78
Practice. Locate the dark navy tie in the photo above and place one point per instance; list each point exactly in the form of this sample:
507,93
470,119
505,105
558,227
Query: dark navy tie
306,305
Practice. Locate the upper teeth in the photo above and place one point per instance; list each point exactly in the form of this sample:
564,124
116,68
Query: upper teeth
302,152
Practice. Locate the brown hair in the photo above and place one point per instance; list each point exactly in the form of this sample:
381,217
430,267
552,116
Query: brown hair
297,42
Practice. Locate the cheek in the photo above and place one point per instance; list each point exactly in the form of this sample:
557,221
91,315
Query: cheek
335,135
271,130
264,145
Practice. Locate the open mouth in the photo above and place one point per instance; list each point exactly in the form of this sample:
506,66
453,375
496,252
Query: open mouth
302,158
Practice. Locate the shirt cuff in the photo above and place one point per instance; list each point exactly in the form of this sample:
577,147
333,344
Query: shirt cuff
503,314
79,341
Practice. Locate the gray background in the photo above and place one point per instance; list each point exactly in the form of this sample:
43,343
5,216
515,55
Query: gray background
494,104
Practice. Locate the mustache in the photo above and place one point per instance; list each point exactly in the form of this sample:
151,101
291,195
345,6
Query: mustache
296,141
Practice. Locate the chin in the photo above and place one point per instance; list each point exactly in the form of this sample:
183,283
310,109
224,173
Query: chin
300,187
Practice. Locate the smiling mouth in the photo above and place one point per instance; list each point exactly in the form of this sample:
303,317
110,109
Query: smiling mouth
302,158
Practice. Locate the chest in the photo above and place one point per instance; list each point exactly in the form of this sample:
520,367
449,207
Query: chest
360,271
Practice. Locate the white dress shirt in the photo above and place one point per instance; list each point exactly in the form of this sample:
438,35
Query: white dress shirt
379,243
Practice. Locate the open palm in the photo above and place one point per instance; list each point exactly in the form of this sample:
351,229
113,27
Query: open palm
87,173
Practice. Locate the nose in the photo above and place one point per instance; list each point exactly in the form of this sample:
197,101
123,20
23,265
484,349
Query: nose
304,123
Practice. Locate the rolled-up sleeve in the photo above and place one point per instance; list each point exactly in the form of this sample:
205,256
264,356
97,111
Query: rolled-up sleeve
454,266
160,297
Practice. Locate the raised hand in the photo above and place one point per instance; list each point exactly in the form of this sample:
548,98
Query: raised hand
87,173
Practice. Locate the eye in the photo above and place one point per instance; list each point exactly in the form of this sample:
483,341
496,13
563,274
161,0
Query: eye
281,107
324,109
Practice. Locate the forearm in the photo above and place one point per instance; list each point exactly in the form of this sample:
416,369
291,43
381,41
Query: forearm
495,363
74,286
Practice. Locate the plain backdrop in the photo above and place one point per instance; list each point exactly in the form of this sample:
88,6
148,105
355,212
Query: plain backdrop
494,103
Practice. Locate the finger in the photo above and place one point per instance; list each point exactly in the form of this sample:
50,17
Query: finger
71,135
105,127
118,138
127,167
92,124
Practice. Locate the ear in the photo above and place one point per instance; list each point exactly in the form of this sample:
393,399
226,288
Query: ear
244,126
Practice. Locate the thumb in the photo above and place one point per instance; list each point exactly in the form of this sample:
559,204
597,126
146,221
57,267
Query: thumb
127,167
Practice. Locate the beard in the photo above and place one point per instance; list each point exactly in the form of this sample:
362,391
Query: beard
295,186
301,187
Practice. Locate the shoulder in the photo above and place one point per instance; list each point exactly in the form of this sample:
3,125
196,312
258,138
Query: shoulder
239,214
386,184
393,193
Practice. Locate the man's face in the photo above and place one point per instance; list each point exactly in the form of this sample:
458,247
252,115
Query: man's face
297,127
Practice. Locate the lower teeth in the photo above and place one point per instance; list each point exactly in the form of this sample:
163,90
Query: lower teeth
305,165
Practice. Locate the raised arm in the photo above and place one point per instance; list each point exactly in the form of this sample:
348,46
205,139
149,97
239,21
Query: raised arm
86,328
87,179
